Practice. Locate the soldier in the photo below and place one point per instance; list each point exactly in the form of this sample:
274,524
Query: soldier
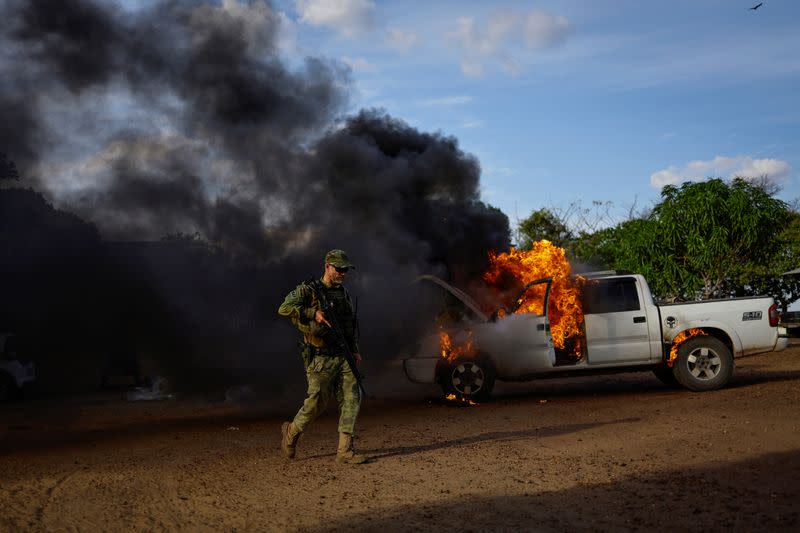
327,370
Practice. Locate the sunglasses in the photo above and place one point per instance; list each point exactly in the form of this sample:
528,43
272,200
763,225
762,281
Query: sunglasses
341,270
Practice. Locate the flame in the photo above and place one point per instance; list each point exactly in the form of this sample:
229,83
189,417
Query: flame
449,351
682,337
544,260
454,398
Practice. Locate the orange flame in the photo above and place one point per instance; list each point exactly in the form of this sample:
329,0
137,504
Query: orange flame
682,337
544,260
451,352
454,398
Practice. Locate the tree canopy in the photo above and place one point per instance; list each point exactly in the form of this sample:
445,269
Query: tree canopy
543,224
706,239
785,289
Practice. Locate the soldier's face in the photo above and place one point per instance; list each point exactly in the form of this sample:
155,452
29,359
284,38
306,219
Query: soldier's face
335,275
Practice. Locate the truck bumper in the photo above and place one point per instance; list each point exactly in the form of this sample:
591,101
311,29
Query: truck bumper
783,339
420,369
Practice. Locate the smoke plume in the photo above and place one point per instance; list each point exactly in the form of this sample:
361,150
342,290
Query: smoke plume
184,119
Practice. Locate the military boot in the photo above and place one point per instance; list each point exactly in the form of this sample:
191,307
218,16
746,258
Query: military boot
289,436
345,453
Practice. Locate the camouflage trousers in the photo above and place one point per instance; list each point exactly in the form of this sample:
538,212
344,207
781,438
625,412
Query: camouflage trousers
328,377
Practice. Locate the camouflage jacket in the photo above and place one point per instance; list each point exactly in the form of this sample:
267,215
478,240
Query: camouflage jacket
301,305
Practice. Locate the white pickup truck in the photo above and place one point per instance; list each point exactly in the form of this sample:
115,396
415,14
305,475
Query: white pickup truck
624,330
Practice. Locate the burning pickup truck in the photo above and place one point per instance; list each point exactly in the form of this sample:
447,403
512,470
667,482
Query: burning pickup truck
617,327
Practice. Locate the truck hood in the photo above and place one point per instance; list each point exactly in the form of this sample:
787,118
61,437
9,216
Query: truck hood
458,293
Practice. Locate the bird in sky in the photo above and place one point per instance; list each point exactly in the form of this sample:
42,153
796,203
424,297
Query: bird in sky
756,6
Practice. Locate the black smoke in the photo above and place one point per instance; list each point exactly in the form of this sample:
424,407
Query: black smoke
183,120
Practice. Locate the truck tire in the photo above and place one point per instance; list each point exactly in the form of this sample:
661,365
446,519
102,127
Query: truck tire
666,376
703,363
467,378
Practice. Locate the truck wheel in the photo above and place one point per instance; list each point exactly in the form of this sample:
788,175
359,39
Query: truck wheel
470,379
666,376
703,363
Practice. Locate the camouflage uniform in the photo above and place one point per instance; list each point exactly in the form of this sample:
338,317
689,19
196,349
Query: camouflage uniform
327,371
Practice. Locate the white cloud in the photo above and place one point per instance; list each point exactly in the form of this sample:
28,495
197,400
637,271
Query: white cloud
494,40
668,176
722,166
476,42
348,17
543,30
448,101
400,40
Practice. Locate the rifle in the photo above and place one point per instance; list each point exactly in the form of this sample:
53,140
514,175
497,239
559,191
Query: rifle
333,318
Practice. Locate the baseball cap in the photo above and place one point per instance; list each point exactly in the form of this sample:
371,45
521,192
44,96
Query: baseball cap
338,258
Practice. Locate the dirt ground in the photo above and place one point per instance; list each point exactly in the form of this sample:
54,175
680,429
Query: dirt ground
619,453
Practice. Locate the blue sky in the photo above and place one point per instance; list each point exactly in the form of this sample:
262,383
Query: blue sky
577,100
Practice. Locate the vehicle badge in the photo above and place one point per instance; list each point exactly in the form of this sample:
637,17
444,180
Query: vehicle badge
671,321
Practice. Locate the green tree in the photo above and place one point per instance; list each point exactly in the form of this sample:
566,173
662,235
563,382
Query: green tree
598,249
585,232
705,239
543,224
785,289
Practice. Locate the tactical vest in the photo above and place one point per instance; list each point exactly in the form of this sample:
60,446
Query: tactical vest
339,299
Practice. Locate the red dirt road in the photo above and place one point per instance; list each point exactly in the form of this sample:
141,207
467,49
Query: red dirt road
619,453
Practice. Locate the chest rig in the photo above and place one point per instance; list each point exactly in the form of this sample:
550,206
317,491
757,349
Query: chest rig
336,300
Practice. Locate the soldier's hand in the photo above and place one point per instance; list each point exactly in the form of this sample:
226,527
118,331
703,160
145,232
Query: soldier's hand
357,357
319,317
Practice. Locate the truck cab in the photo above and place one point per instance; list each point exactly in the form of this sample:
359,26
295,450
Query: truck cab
621,321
